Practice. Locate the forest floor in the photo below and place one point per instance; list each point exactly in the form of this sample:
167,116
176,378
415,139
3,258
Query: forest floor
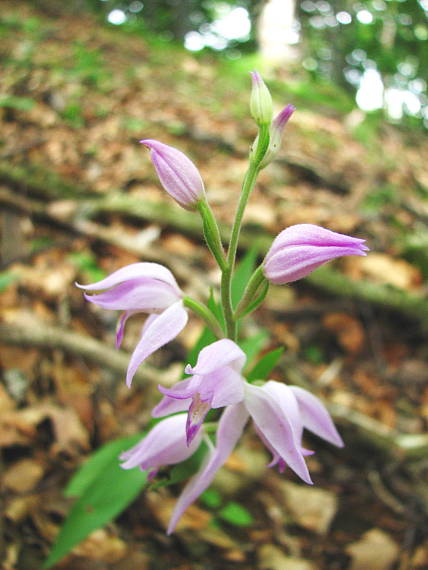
80,199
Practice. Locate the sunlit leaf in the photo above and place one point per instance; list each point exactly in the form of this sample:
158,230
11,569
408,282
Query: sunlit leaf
236,514
265,365
106,490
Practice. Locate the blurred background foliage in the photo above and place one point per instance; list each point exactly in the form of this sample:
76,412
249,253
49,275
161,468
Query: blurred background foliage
376,51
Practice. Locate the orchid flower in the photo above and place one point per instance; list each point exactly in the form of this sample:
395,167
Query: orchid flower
300,249
229,430
177,173
142,288
216,382
165,444
280,413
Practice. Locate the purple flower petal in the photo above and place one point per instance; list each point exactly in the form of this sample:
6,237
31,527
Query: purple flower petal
134,271
176,399
197,412
140,294
165,444
177,173
221,353
315,417
276,429
300,249
121,326
162,329
229,430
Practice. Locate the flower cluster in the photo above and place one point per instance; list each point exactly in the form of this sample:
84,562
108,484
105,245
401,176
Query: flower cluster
280,413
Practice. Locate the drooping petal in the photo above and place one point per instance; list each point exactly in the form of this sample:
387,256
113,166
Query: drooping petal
121,326
221,353
133,271
276,429
141,294
286,400
315,416
176,399
165,444
229,431
162,329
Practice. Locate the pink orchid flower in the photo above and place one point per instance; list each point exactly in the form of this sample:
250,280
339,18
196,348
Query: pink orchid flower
300,249
177,173
165,444
216,382
280,413
142,288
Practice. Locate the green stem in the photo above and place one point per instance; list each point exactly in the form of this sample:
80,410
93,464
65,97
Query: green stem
247,187
212,233
252,288
206,314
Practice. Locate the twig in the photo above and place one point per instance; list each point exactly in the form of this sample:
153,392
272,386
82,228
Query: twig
44,336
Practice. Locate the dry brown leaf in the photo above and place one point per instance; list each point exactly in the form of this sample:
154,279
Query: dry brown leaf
101,546
375,550
348,330
383,268
23,475
312,508
161,506
271,557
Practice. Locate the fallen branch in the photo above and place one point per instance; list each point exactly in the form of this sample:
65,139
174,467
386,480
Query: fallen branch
166,215
43,336
366,429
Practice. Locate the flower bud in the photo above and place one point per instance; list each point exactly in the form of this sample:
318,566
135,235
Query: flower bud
177,173
276,132
300,249
261,100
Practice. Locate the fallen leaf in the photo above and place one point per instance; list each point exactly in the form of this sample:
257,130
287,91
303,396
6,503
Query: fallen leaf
23,476
375,550
383,268
348,330
311,508
271,557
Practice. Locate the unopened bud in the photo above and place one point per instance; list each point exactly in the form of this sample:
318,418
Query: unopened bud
261,101
177,173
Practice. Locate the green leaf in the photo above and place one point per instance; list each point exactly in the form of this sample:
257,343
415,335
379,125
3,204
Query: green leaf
87,263
236,514
243,273
18,103
253,345
106,490
265,365
211,498
207,336
7,279
97,463
183,470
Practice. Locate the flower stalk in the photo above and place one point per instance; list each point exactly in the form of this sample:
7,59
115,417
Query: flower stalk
279,412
